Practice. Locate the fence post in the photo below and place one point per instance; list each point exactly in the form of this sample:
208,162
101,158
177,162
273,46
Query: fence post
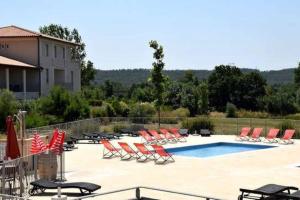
237,125
138,193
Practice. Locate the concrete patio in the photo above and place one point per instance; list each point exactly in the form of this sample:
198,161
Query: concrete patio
219,176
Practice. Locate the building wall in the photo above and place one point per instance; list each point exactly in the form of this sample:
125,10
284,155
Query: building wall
52,61
21,49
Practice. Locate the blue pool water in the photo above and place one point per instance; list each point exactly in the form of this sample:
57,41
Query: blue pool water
215,149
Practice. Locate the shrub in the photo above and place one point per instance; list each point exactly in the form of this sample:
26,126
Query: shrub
78,108
110,110
230,110
99,111
8,106
117,127
195,124
95,102
34,120
142,112
181,112
250,114
120,107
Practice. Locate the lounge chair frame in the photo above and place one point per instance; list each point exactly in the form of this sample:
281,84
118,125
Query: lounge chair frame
265,192
109,152
40,186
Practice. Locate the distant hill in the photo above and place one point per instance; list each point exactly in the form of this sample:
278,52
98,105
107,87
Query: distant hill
127,77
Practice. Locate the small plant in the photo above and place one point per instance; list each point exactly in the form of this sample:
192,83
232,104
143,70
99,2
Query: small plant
231,110
196,124
142,112
118,127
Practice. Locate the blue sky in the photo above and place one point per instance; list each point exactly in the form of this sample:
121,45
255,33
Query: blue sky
196,34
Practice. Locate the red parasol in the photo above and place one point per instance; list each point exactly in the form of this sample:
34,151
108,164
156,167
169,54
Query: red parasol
57,147
53,139
12,148
37,145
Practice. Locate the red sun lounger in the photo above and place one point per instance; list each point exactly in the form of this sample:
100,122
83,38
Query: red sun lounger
271,136
128,151
143,152
177,135
170,137
287,137
148,139
163,154
255,136
109,150
157,136
244,134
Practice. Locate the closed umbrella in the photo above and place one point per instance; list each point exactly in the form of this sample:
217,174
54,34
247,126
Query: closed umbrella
37,145
54,137
12,147
57,146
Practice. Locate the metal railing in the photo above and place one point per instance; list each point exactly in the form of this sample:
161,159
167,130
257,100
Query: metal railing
138,193
223,126
10,197
16,175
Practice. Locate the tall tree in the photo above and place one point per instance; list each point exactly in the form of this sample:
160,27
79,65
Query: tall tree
87,69
222,83
157,78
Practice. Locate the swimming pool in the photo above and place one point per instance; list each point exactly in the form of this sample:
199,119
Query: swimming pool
215,149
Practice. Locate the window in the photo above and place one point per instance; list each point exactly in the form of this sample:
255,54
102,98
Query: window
55,51
64,52
47,75
47,50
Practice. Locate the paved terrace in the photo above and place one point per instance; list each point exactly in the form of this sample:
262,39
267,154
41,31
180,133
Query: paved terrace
219,176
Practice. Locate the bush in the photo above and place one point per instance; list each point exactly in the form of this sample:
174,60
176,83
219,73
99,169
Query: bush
230,110
99,111
121,108
117,127
95,102
142,112
34,120
181,112
195,124
8,106
78,108
250,114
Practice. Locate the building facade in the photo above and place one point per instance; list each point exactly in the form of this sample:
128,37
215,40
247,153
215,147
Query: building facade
32,63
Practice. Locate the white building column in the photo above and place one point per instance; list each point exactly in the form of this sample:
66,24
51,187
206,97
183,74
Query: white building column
24,83
7,78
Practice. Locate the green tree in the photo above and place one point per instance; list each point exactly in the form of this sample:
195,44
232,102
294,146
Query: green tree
88,73
8,106
297,75
87,69
223,82
157,78
203,102
190,77
251,88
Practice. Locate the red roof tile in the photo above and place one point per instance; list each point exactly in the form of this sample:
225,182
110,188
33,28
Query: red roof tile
11,62
15,31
